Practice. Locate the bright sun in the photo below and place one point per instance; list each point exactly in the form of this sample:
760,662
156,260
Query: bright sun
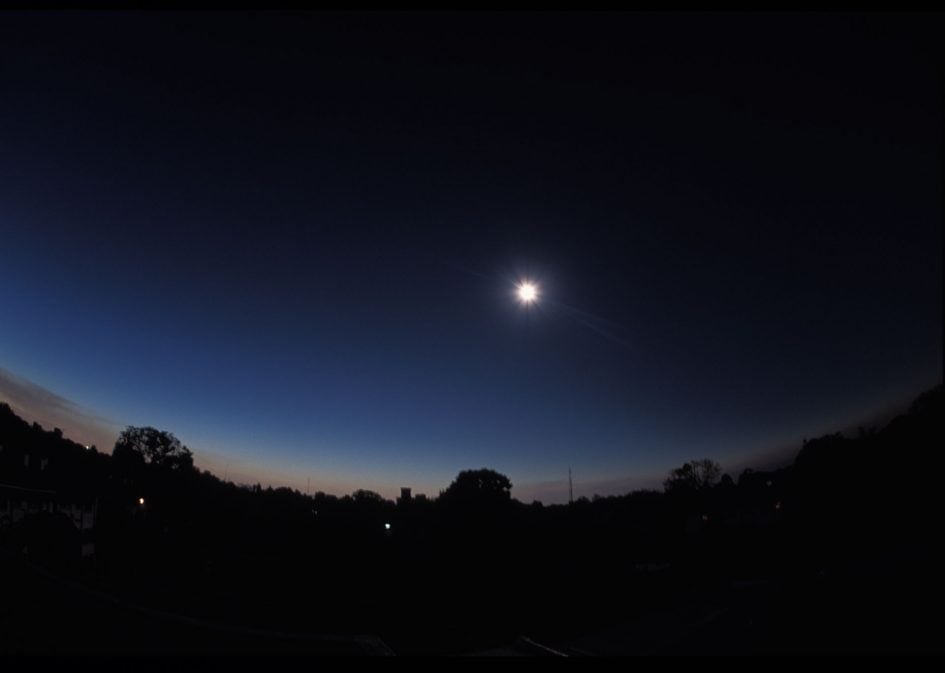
527,292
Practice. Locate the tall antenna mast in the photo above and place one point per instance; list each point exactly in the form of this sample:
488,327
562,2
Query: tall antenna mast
570,488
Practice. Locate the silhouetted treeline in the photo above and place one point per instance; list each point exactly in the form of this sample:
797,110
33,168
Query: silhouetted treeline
474,564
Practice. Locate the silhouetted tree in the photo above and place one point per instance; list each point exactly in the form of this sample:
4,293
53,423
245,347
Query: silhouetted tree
152,447
825,459
694,476
928,402
483,486
366,496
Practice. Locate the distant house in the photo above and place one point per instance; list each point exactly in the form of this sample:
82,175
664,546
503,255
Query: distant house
761,501
19,502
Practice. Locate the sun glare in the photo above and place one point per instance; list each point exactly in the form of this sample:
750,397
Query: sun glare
527,292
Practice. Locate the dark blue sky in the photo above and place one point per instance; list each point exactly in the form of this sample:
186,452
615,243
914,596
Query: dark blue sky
293,240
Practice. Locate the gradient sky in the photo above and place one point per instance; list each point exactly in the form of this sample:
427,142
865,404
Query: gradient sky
293,240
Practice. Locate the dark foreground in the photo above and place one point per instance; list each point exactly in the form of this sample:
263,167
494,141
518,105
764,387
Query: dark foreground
886,609
838,553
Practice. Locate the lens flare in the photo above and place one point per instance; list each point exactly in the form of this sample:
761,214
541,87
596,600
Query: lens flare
527,292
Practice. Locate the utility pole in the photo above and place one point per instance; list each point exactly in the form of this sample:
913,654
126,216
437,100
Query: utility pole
570,488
